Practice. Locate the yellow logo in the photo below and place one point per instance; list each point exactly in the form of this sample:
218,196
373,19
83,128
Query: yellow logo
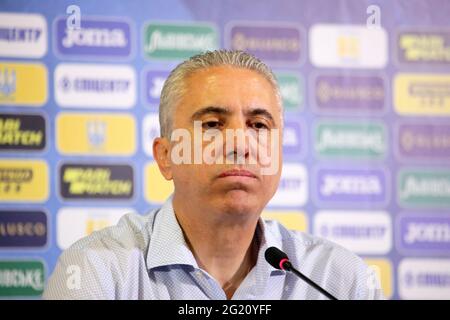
348,47
293,220
23,180
96,181
383,269
422,94
23,84
424,46
157,188
96,134
93,224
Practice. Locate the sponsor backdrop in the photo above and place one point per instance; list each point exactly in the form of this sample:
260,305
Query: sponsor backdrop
366,91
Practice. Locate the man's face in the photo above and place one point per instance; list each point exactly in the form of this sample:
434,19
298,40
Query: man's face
229,98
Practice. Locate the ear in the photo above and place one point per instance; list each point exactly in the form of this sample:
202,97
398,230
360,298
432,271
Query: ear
161,153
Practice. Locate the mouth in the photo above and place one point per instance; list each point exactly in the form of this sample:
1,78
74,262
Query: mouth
237,173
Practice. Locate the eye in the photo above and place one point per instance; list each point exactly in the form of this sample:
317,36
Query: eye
211,124
259,125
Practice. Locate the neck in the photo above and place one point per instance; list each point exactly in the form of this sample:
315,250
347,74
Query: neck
223,247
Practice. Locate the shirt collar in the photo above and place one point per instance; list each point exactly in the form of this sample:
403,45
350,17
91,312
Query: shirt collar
168,245
263,270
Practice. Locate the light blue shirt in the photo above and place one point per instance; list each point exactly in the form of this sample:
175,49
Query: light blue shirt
146,257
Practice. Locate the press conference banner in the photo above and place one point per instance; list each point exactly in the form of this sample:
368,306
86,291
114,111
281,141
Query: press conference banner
366,95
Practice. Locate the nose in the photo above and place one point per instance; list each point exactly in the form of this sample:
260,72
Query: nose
236,141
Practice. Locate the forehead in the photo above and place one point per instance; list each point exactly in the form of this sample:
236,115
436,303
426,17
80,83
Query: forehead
230,87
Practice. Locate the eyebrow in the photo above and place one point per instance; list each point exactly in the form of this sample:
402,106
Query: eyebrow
225,111
211,109
261,112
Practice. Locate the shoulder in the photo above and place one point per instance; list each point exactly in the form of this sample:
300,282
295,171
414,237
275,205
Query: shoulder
114,244
97,263
132,231
328,262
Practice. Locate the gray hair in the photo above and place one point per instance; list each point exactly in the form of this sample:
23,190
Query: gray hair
174,86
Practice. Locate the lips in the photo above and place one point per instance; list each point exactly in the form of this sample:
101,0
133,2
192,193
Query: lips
237,173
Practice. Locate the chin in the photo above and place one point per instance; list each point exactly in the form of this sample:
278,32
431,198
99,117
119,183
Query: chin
240,202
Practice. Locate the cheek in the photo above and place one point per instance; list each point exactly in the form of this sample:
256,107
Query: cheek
181,174
190,175
275,143
270,183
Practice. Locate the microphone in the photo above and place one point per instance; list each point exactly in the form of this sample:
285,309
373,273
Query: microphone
279,260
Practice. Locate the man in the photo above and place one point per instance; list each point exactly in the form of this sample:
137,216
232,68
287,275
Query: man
208,240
